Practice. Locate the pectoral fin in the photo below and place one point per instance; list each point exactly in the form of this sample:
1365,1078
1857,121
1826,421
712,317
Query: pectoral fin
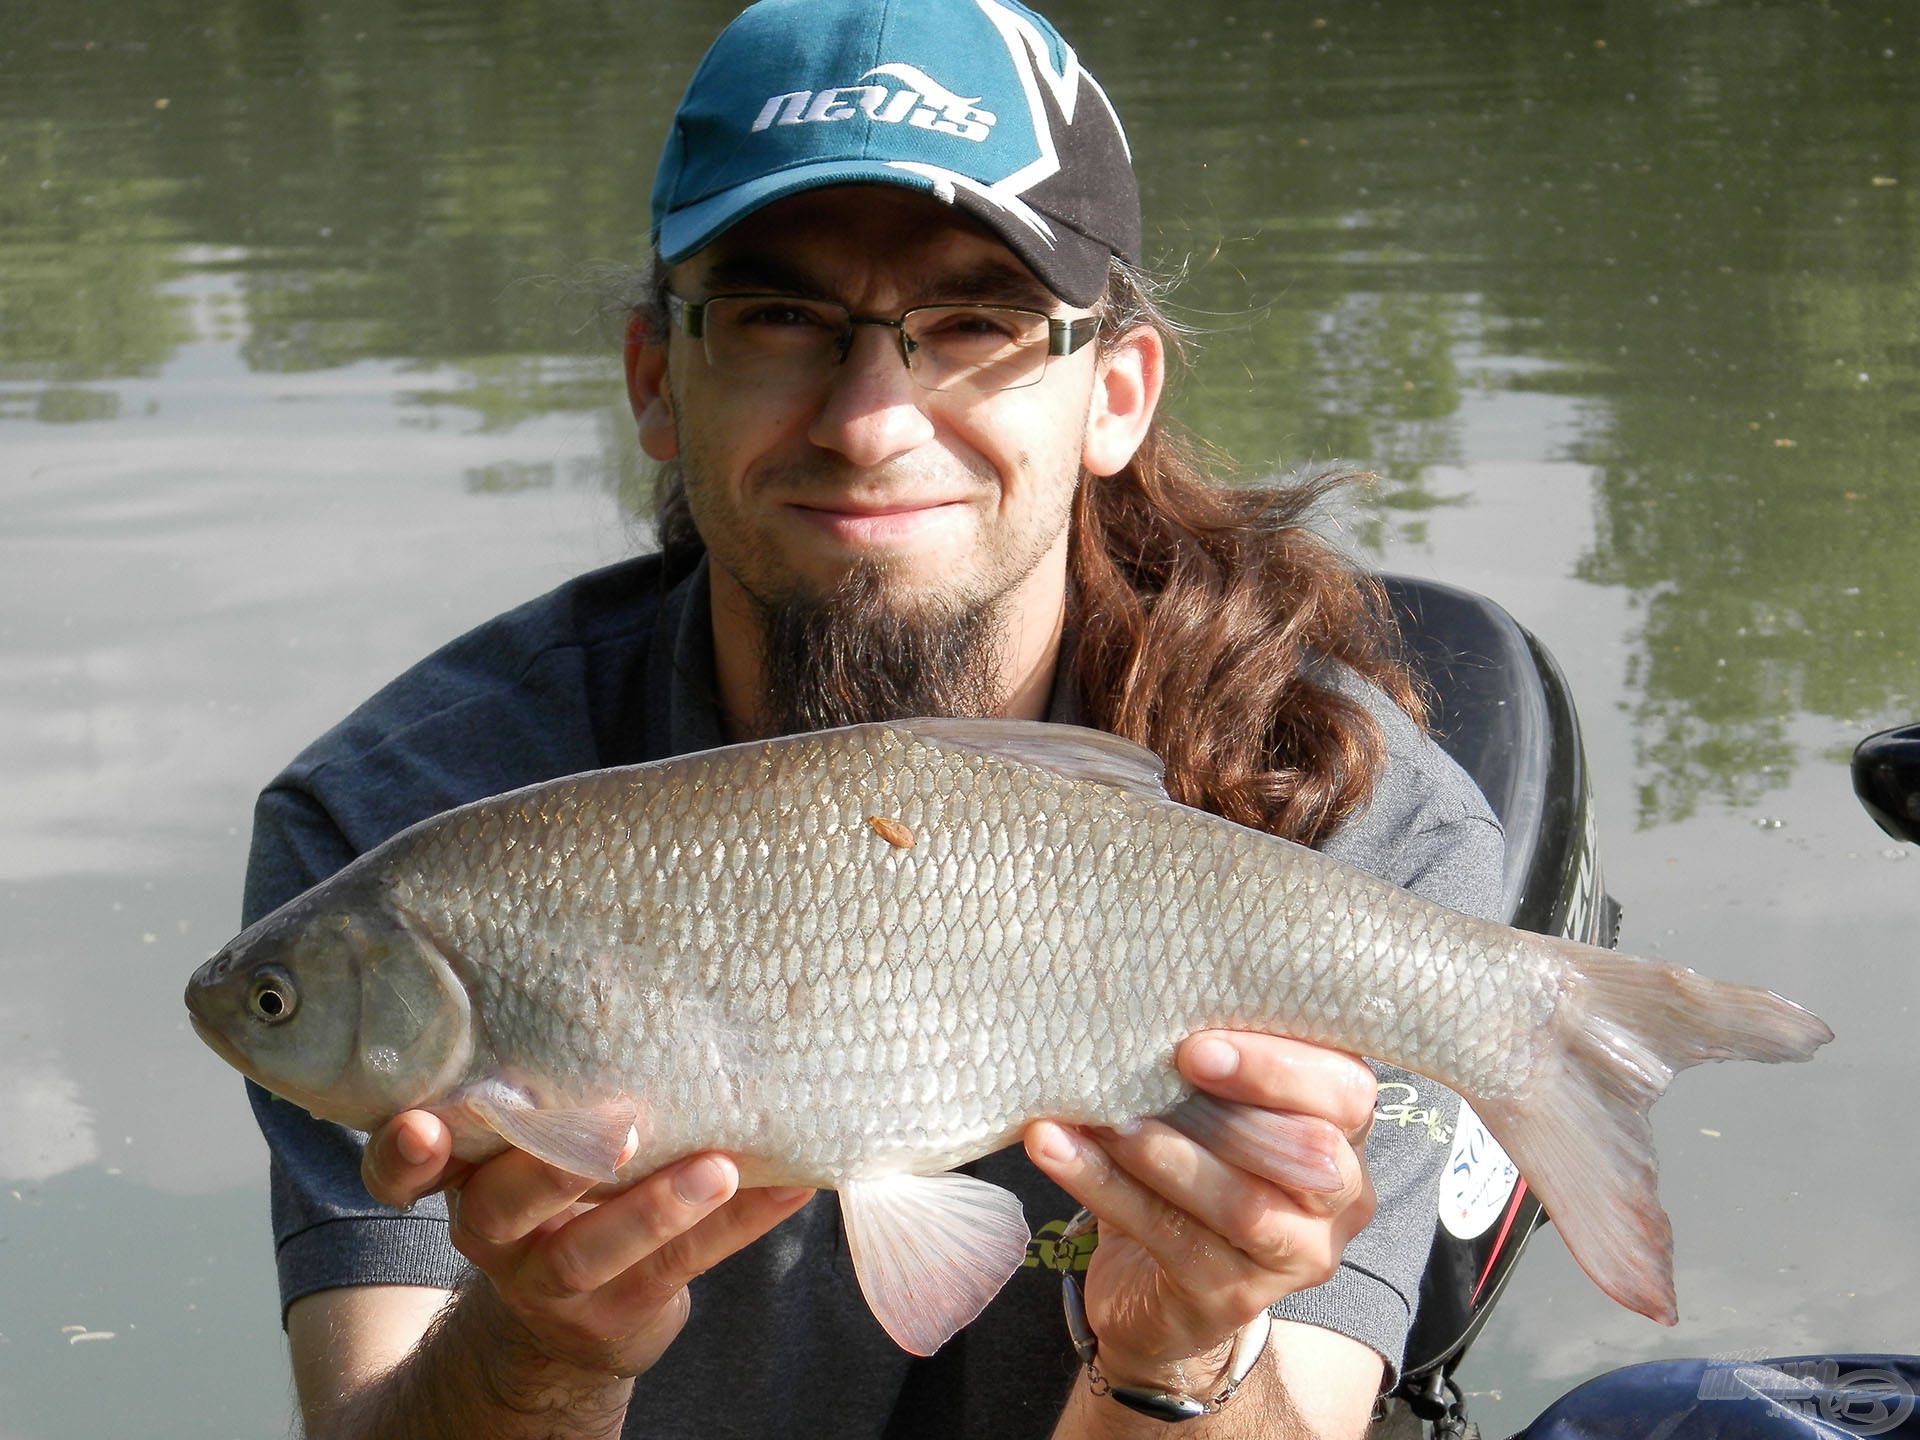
931,1251
587,1142
1296,1151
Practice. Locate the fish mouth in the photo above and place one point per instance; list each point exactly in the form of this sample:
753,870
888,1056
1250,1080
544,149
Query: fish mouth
229,1052
216,1041
203,1013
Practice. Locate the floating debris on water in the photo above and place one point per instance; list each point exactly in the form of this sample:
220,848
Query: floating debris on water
1769,822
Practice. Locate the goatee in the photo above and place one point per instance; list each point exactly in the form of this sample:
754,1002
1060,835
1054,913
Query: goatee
856,655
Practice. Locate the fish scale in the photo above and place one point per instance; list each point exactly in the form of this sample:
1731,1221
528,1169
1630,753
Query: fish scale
862,957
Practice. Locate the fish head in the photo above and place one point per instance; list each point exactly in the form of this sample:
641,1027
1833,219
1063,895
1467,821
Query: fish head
349,1010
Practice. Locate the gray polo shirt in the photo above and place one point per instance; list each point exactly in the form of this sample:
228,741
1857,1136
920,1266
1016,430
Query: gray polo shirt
615,668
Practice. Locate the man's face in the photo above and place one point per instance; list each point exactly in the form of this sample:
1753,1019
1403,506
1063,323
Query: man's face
949,500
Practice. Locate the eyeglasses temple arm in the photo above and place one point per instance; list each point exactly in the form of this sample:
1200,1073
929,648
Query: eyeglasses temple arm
1066,336
691,317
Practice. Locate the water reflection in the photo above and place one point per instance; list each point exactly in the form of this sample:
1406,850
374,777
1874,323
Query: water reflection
1700,220
45,1127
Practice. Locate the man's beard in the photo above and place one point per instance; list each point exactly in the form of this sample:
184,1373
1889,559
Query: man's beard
856,655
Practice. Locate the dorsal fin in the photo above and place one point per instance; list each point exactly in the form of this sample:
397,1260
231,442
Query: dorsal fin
1071,751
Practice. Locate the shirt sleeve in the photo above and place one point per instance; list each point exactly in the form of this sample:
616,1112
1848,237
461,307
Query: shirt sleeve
1429,830
327,1231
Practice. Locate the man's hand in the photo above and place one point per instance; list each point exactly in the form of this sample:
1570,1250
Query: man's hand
601,1287
1192,1248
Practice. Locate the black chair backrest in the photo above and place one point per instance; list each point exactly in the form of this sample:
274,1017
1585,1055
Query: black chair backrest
1489,709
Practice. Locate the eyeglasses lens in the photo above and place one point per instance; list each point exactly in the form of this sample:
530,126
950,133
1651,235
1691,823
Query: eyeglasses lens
968,348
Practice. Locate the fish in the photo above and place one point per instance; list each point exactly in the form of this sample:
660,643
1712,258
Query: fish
858,958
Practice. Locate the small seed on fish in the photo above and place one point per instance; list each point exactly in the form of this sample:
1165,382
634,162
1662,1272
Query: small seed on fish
891,831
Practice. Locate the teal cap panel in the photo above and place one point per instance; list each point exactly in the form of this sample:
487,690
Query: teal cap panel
980,102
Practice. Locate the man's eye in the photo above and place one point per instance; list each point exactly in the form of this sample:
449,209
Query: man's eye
974,324
778,314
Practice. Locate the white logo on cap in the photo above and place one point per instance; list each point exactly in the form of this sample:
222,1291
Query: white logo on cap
920,101
924,102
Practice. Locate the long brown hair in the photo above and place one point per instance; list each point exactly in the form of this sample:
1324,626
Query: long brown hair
1208,617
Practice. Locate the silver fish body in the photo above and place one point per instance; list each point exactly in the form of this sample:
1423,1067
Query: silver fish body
879,952
749,957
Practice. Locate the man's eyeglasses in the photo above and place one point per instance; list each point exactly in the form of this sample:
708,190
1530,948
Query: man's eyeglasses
970,349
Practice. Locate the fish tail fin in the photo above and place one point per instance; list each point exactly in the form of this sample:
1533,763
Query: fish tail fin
1578,1129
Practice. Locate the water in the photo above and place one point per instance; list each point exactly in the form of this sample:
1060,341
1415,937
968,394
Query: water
1618,299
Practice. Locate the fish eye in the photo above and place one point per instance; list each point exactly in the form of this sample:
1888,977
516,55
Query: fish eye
271,997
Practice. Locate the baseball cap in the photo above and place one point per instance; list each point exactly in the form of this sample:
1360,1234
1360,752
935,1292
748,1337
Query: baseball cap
979,103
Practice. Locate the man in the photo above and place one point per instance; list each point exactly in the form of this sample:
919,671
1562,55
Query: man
902,378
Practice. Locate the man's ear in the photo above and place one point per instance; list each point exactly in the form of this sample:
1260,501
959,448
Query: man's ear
1126,392
645,353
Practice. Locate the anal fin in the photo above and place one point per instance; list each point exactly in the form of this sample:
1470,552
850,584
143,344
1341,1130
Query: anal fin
931,1251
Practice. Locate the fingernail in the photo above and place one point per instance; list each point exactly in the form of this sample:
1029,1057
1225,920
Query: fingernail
1057,1144
699,1182
787,1194
413,1149
1212,1058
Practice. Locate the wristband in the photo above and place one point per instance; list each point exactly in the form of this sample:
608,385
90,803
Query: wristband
1170,1406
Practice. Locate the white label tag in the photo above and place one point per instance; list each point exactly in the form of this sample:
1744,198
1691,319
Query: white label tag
1479,1179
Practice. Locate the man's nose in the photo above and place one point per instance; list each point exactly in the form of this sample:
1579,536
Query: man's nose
874,410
